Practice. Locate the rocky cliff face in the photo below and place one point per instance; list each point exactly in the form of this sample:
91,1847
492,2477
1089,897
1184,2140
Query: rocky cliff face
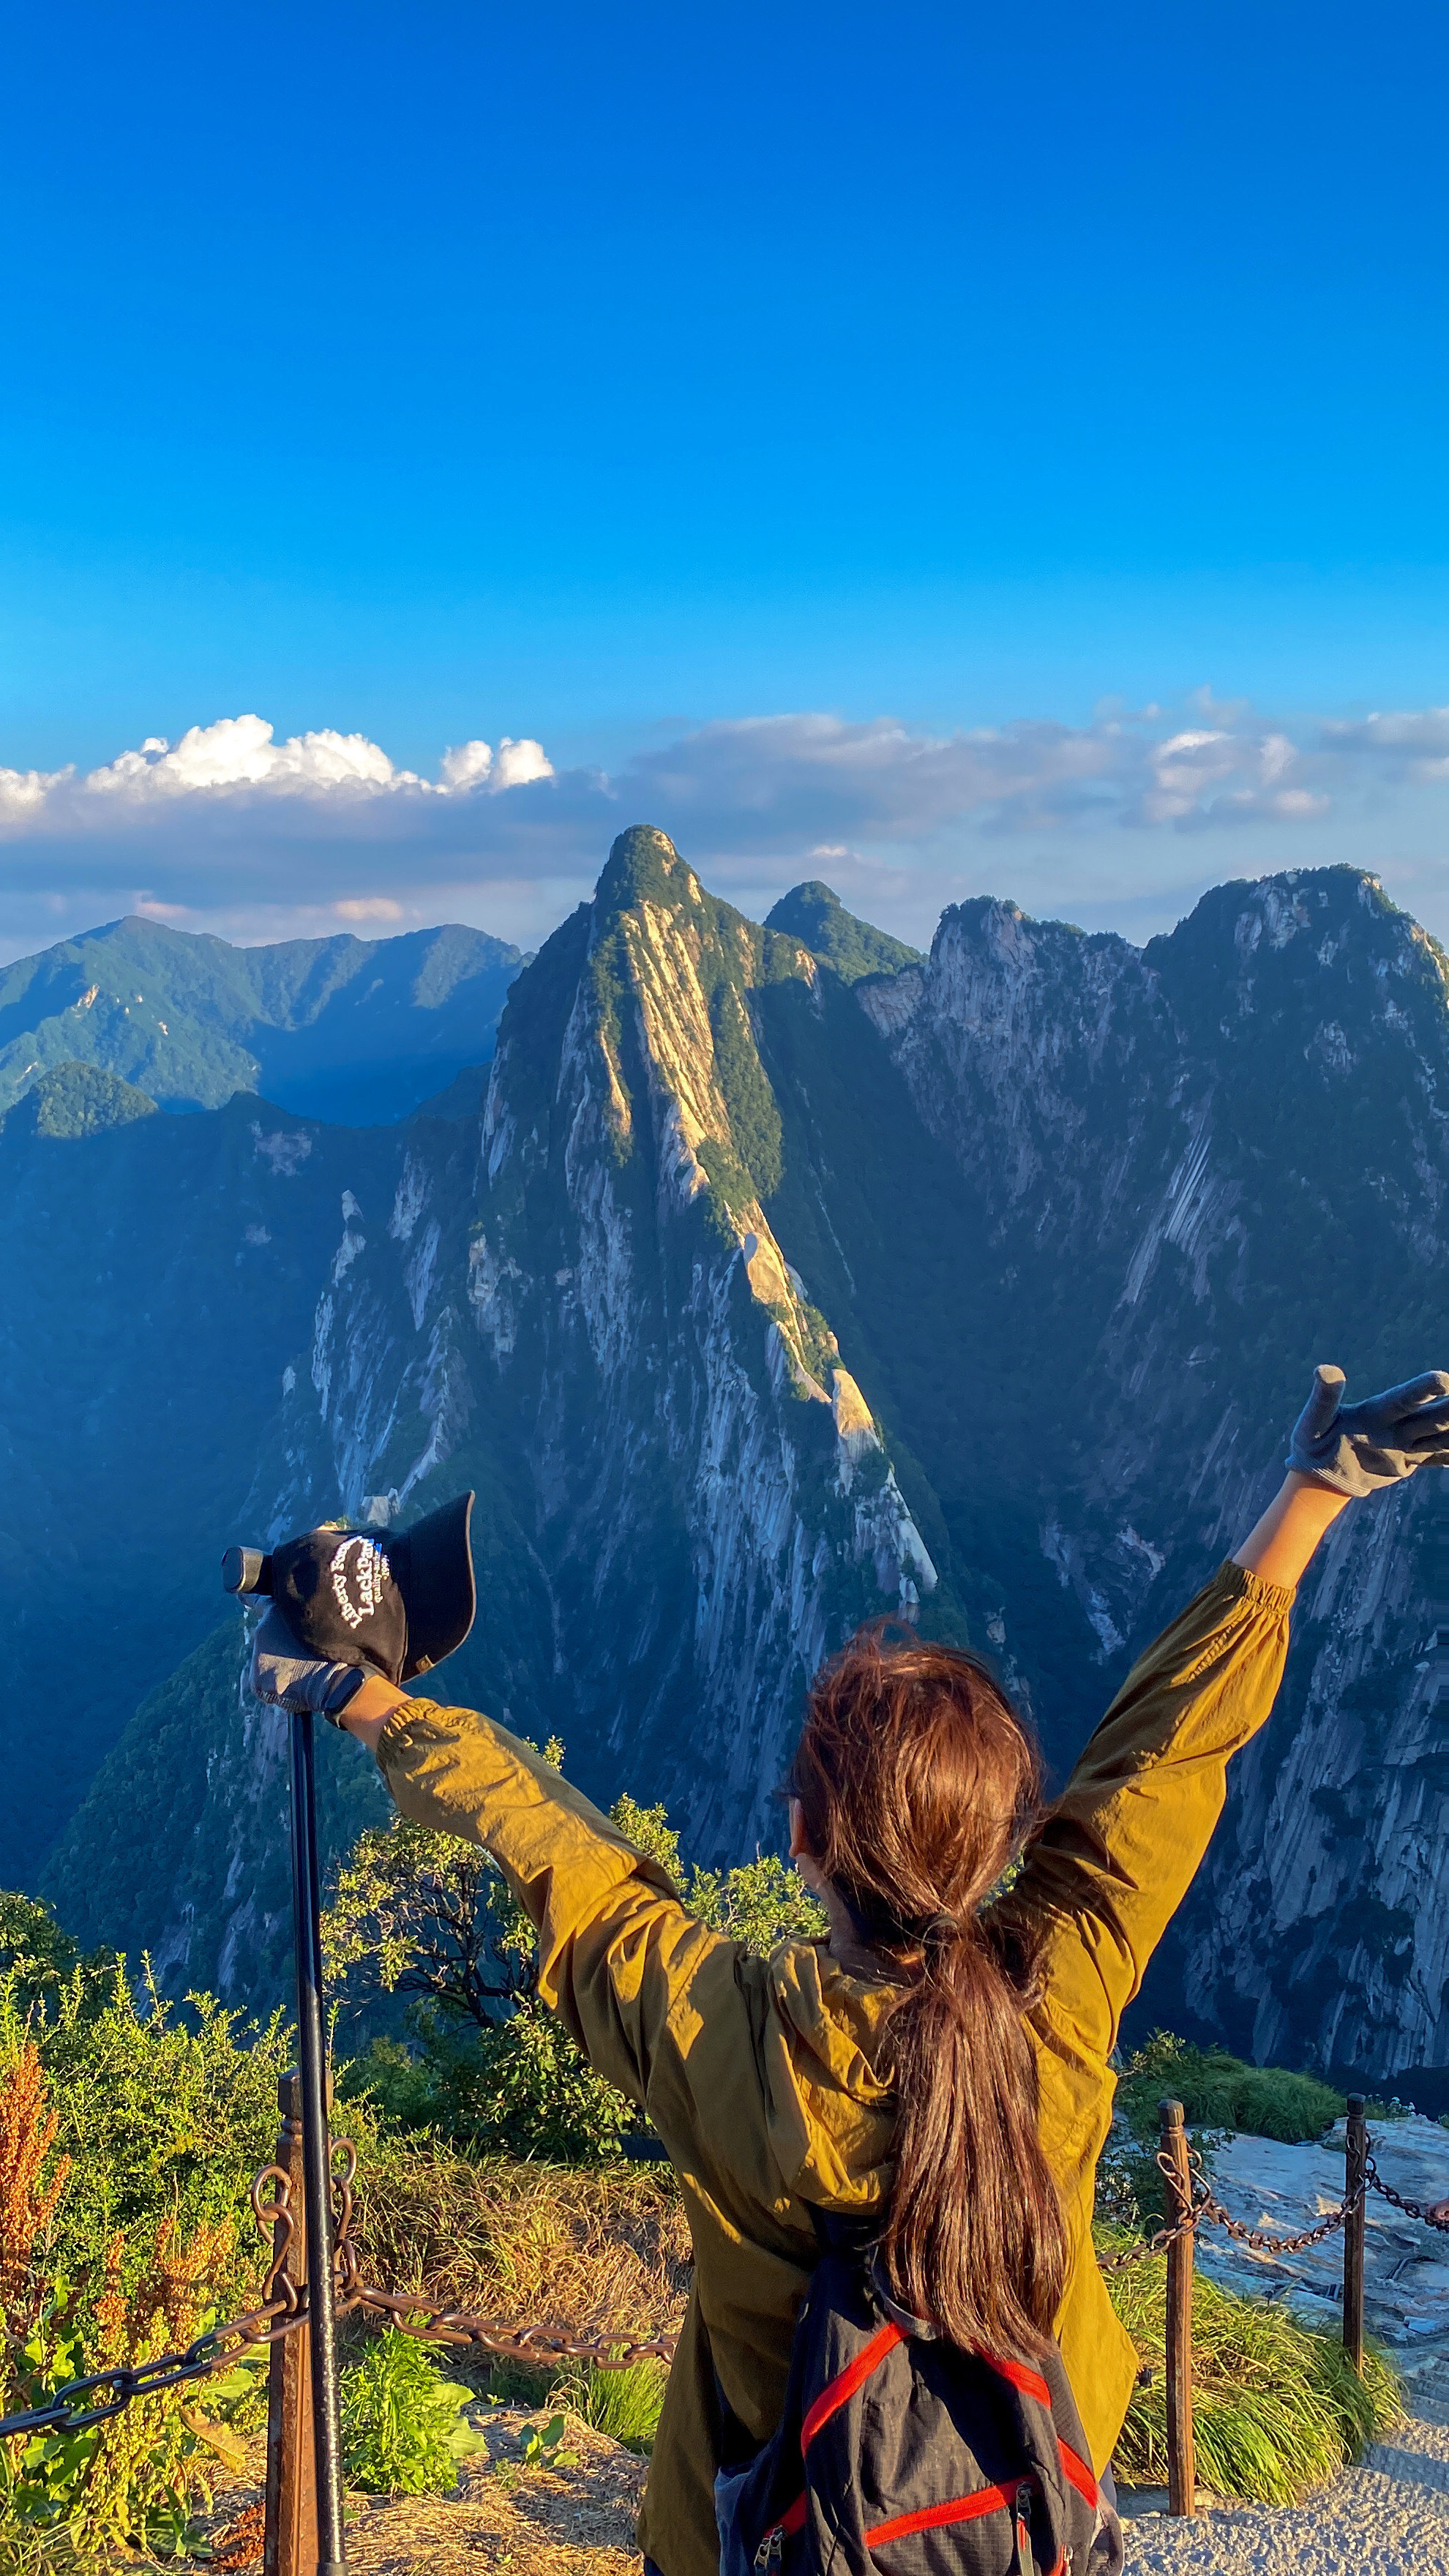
1195,1170
597,1322
762,1297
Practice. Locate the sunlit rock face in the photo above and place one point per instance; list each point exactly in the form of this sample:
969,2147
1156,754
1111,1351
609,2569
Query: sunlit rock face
702,1510
764,1294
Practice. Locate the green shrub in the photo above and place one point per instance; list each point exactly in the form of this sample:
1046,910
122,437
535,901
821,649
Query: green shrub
761,1903
1277,2408
515,2088
161,2116
1221,2092
524,2089
625,2404
403,2428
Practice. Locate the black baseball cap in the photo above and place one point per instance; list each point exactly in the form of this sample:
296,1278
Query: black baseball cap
400,1600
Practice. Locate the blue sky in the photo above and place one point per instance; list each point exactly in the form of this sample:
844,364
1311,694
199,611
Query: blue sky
625,380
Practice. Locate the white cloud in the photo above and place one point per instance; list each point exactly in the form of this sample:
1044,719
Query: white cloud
1414,745
472,764
239,752
25,792
520,763
230,828
469,765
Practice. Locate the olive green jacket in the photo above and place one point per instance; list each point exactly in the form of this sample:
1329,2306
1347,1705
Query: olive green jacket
758,2074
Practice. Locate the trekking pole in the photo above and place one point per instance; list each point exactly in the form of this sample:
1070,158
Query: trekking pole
316,2151
289,2539
368,1613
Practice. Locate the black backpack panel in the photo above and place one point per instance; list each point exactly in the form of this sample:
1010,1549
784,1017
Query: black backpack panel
900,2455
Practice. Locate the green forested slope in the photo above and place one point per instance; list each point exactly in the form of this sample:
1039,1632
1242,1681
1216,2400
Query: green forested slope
348,1029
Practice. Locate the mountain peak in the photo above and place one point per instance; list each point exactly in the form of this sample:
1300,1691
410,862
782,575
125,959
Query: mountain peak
814,914
643,866
76,1099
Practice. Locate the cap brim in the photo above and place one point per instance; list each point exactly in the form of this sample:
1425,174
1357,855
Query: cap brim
433,1566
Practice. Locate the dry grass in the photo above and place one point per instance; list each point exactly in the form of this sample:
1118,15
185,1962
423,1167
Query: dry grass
582,2249
575,2520
571,2519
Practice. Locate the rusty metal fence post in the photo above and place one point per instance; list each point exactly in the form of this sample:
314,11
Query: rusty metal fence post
1177,2174
290,2545
1355,2152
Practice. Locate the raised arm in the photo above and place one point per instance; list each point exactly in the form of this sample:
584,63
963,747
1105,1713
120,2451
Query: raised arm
1280,1543
1125,1841
617,1950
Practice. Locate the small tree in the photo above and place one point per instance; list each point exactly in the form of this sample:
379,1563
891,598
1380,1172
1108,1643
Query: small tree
428,1915
759,1903
38,1957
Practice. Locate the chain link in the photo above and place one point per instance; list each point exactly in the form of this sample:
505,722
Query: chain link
282,2308
1206,2211
1410,2208
1259,2238
535,2344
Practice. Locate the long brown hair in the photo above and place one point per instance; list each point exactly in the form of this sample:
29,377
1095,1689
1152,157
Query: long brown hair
918,1785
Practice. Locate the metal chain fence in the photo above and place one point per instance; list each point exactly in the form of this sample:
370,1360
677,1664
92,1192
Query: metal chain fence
282,2308
1207,2211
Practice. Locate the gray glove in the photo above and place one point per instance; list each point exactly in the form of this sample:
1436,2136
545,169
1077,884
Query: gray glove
282,1673
1357,1448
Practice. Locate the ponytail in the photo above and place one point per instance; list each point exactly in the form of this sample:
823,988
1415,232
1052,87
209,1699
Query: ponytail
918,1785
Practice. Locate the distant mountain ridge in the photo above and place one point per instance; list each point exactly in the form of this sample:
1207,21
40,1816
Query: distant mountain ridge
354,1030
760,1296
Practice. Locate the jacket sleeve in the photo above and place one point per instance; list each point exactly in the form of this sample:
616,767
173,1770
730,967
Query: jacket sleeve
1121,1847
629,1972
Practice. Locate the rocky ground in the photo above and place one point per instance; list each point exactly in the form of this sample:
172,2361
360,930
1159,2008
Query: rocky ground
1285,2189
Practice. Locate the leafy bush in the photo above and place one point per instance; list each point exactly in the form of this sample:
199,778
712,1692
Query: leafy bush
518,2087
523,2088
403,2428
1221,2092
38,1957
760,1903
1277,2407
161,2120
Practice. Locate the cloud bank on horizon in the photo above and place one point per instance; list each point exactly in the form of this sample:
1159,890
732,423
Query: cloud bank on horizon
1120,822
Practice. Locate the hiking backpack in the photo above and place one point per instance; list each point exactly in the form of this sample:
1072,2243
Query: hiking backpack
899,2454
